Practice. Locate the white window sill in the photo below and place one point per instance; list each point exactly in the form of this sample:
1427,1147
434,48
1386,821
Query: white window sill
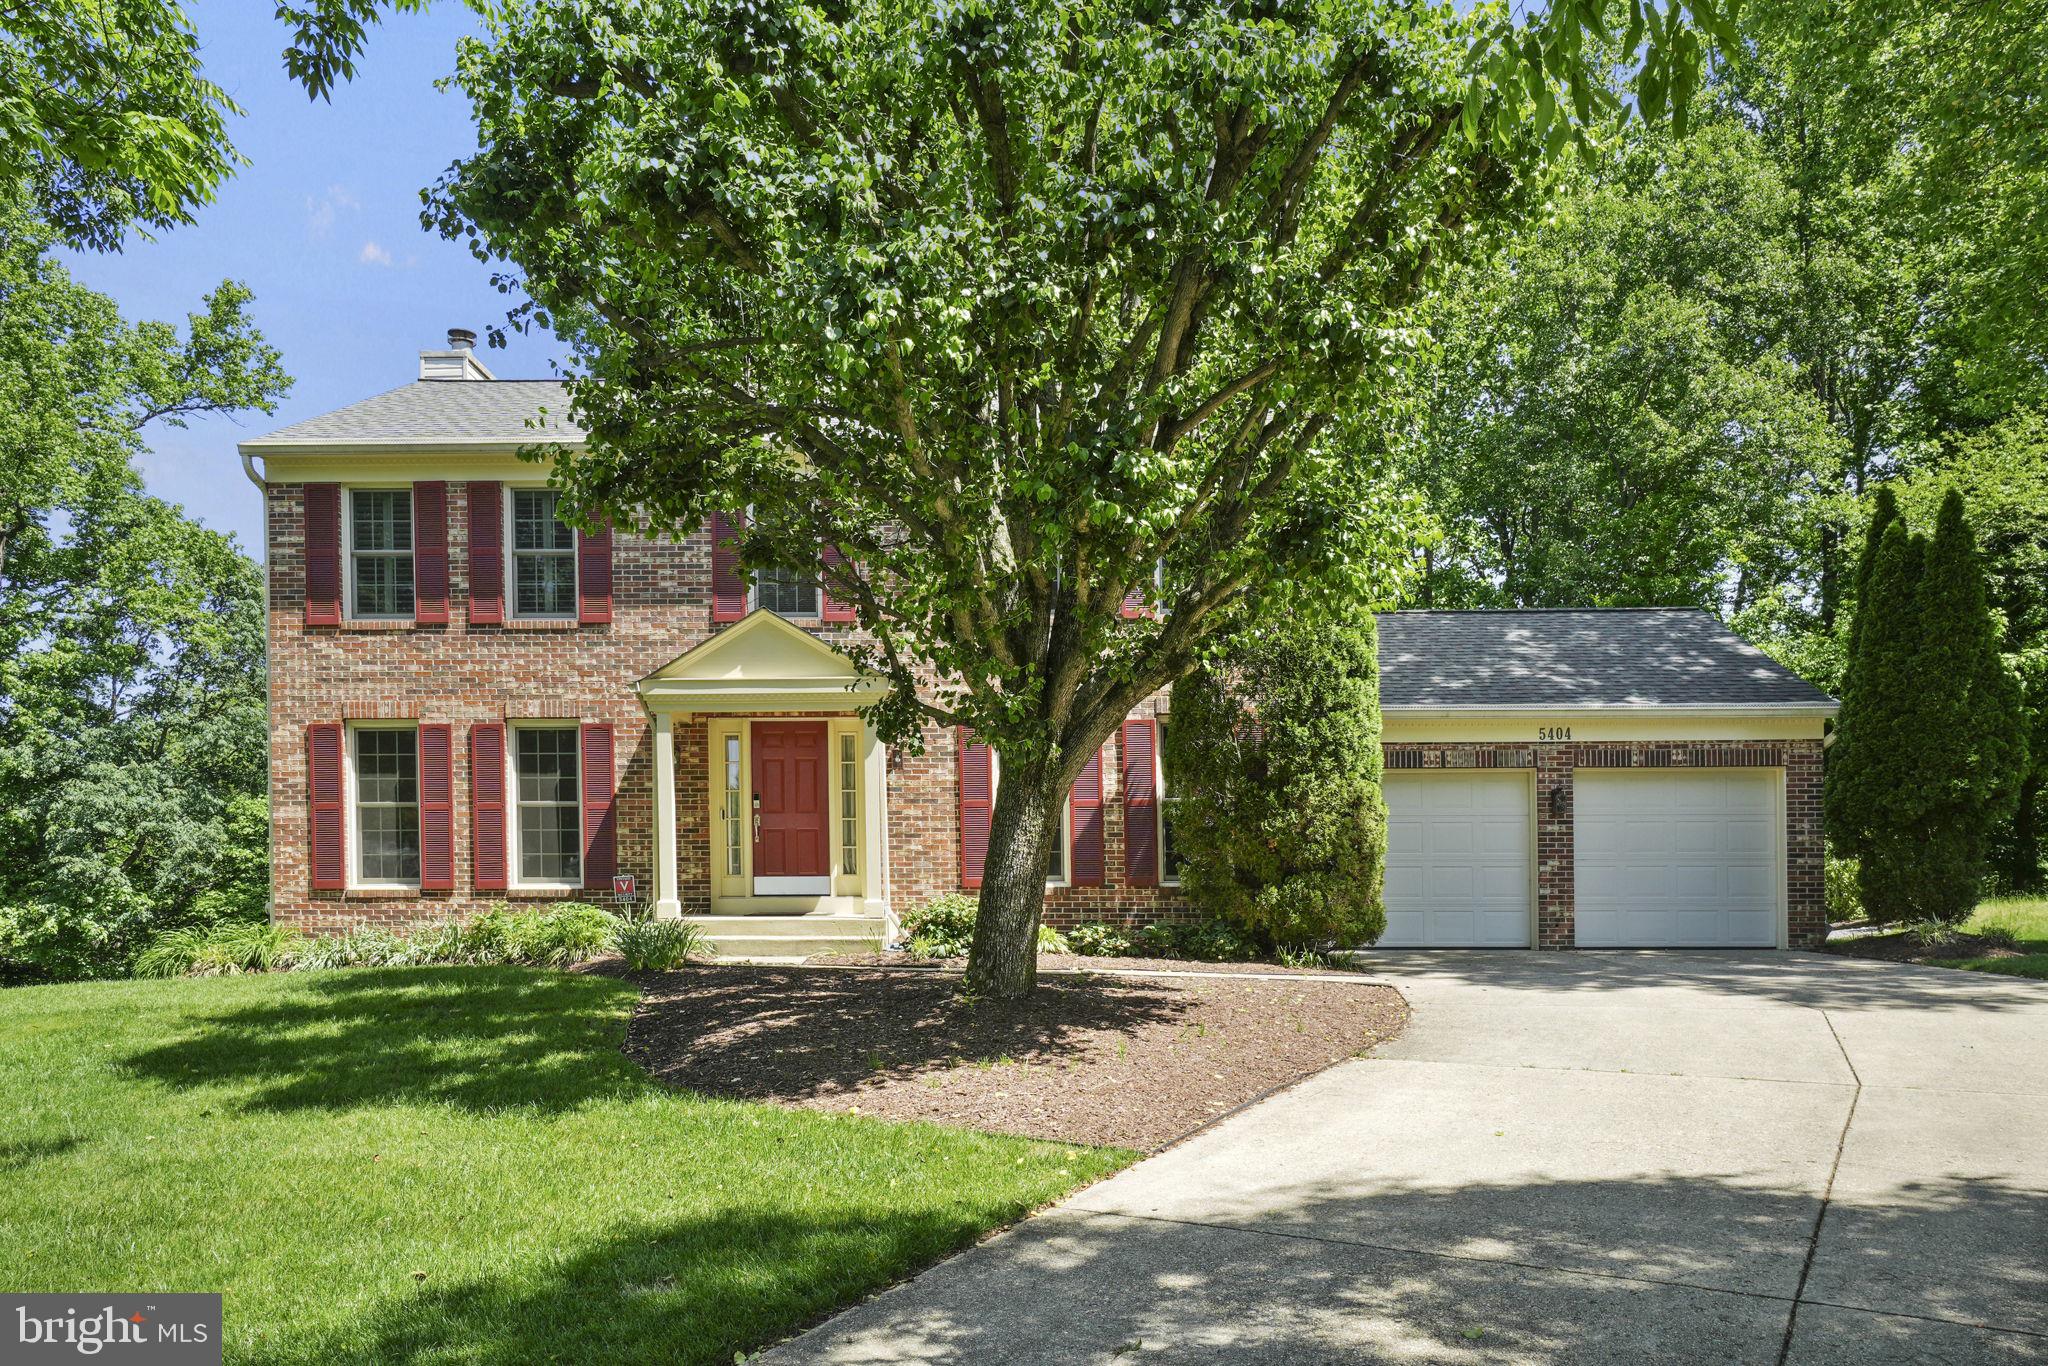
545,889
377,623
541,623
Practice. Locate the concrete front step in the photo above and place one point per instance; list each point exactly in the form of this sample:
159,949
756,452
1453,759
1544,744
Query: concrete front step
790,937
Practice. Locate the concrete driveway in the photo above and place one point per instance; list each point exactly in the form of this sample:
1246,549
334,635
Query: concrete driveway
1580,1157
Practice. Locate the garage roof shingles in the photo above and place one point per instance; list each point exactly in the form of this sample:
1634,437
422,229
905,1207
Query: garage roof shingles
1615,657
459,412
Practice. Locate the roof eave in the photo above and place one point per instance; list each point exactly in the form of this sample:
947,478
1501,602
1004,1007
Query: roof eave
389,446
1752,709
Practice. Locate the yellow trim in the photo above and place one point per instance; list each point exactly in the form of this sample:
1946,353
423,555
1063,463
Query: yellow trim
1583,725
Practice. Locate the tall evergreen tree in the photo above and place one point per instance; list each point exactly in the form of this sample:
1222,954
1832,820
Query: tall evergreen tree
1871,789
1970,734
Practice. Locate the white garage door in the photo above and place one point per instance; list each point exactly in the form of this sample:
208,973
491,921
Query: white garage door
1458,866
1670,859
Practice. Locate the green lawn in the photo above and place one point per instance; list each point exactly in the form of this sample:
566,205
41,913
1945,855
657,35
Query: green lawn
454,1164
2027,919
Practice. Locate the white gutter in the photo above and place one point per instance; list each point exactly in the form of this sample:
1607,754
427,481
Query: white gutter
269,817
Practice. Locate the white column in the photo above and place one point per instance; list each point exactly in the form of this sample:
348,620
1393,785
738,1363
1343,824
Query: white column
874,772
667,906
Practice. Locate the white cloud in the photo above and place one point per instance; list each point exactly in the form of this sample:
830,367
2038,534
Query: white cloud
373,255
321,212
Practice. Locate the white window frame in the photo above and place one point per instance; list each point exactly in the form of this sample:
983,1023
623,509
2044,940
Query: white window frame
349,551
515,861
356,880
1159,721
817,583
995,782
512,554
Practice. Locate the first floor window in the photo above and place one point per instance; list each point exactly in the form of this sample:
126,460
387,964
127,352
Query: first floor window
550,813
543,556
786,592
388,804
380,552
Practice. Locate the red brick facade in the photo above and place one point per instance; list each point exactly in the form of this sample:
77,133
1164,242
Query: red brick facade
1555,763
461,674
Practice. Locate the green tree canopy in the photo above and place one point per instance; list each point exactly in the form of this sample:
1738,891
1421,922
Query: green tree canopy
131,639
1028,308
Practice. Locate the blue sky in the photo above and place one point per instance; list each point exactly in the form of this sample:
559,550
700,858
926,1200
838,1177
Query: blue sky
324,227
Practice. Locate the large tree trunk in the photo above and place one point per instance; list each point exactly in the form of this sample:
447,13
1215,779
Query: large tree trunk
1003,960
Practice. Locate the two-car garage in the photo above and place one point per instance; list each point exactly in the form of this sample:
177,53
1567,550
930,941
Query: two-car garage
1603,779
1659,858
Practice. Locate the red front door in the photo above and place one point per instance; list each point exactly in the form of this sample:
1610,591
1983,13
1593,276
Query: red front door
789,799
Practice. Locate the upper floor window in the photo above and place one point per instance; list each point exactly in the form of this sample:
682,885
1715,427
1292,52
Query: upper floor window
387,804
380,564
543,556
786,592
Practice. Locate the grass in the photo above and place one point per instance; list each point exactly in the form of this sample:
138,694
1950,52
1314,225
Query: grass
455,1165
2026,919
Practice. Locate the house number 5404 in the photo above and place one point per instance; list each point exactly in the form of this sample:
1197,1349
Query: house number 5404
1553,732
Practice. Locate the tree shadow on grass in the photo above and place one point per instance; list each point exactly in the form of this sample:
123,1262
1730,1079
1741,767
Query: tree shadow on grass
1571,1271
479,1038
780,1033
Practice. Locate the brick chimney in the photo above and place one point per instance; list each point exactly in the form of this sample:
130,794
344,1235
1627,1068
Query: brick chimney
458,362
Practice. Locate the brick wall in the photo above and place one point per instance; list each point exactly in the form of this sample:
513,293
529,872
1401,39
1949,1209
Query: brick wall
463,674
1555,765
924,838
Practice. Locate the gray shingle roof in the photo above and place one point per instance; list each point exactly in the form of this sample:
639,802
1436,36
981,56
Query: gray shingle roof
458,412
1623,657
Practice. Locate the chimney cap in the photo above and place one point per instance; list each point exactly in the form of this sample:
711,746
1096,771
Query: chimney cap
461,339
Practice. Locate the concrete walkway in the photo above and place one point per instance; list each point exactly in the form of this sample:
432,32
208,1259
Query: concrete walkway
1591,1157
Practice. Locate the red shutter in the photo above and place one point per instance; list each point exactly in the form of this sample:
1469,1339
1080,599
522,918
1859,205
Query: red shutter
830,608
594,576
600,833
1085,804
977,802
323,555
430,552
487,806
437,809
486,553
728,586
1141,804
324,783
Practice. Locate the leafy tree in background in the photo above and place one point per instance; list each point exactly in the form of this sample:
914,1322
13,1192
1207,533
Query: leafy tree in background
1613,419
1274,752
131,639
1029,309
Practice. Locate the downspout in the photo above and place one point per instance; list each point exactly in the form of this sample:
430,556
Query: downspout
262,484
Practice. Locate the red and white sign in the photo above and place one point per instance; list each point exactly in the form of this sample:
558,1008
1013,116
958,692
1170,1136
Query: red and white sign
622,884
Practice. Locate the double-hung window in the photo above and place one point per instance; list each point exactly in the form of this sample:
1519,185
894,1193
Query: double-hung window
543,556
1169,857
548,812
380,565
1056,859
387,804
786,592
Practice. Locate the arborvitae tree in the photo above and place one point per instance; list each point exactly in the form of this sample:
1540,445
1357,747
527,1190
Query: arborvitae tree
1274,754
1845,828
1872,786
1970,738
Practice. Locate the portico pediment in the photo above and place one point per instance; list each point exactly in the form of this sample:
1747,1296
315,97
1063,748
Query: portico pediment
761,663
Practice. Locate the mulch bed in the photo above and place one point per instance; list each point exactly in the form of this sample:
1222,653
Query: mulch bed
1907,948
1131,1062
1075,962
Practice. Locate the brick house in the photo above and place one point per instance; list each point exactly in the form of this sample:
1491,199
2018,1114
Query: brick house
471,703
